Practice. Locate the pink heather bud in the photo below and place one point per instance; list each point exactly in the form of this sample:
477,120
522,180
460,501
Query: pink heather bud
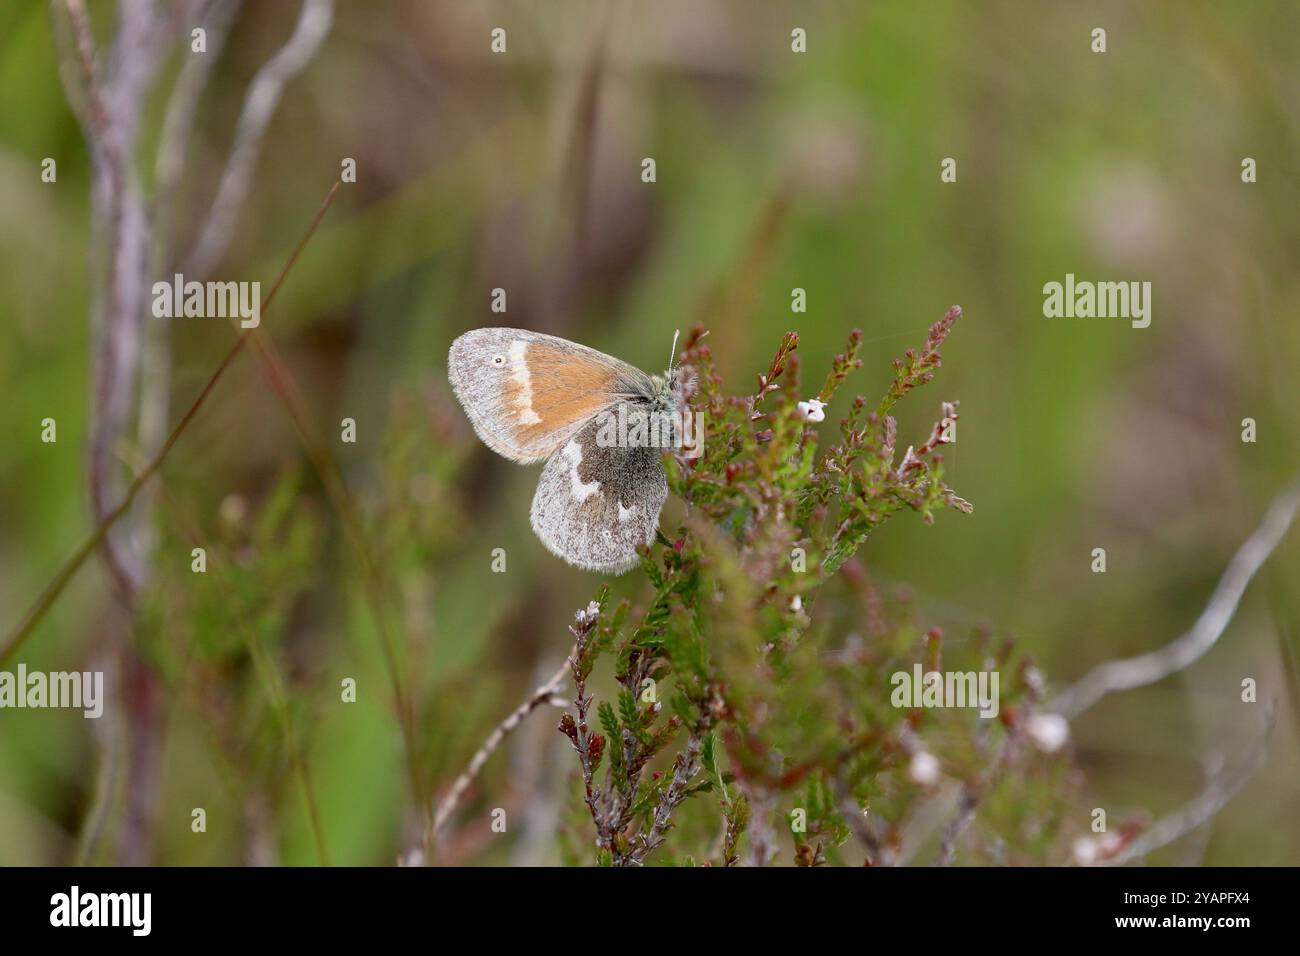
569,728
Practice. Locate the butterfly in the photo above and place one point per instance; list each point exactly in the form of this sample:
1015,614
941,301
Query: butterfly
598,422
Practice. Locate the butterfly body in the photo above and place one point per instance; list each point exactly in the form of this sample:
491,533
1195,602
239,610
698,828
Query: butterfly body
534,397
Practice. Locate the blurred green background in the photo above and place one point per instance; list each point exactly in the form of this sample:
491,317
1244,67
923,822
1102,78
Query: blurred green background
522,171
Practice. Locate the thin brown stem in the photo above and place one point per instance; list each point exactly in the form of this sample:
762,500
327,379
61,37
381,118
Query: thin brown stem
37,612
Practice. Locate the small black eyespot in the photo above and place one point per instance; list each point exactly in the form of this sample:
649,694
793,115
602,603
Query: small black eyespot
498,360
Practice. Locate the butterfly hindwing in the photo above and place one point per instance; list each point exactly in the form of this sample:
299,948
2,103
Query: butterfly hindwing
594,506
527,394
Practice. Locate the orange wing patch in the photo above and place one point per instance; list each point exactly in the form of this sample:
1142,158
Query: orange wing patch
550,389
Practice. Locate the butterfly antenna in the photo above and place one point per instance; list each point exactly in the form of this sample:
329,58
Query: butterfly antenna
672,354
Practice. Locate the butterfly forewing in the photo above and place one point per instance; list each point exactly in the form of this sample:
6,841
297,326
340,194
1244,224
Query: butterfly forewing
594,506
527,393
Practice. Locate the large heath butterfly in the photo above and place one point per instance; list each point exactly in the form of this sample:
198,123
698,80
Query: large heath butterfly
599,423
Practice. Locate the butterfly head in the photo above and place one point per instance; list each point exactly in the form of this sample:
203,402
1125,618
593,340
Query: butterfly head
665,400
670,390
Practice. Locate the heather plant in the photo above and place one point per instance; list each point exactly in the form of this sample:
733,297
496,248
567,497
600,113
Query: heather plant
754,685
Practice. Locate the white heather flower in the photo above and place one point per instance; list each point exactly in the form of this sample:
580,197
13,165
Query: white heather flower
796,603
811,410
1049,732
924,769
1086,851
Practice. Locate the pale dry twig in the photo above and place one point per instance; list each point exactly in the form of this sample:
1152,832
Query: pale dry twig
259,105
545,694
1220,789
1156,665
